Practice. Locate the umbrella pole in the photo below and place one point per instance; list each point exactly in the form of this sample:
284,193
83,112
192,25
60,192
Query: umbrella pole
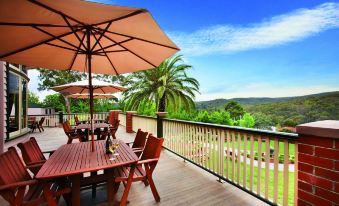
89,60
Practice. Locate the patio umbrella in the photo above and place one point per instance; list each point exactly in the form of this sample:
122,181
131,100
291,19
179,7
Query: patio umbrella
81,36
95,96
82,87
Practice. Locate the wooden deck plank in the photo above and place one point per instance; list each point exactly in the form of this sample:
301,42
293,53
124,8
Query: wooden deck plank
178,183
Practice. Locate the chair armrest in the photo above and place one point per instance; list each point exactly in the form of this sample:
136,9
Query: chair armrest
37,162
138,149
49,152
18,184
37,165
147,161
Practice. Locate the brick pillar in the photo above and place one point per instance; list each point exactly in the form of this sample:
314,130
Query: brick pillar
129,121
113,116
318,163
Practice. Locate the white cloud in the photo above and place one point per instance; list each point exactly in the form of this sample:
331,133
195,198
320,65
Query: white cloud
277,30
33,85
266,90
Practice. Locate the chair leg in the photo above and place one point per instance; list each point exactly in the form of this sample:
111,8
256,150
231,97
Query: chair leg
49,196
145,182
69,140
116,187
153,188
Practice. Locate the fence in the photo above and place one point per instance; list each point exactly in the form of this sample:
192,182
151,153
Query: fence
262,163
122,118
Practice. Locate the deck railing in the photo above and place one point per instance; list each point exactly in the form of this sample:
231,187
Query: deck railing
51,120
122,118
146,123
263,163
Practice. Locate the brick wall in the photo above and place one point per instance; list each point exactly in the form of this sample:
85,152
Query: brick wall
318,164
129,121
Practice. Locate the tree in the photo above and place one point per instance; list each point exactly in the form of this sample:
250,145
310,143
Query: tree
235,109
247,121
33,98
51,78
56,101
165,85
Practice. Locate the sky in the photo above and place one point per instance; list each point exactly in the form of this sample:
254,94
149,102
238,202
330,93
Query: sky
257,48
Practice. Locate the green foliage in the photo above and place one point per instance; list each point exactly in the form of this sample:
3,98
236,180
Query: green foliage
247,121
147,108
235,109
33,98
166,85
55,101
51,78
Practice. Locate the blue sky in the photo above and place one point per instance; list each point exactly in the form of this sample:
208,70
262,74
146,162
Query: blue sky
257,48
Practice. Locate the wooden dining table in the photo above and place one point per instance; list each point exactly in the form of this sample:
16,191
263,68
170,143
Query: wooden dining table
73,160
88,126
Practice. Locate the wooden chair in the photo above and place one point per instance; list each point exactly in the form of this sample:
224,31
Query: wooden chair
40,123
113,129
32,155
71,133
14,180
149,160
139,142
76,120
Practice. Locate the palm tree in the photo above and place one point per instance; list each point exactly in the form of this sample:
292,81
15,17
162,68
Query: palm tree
167,84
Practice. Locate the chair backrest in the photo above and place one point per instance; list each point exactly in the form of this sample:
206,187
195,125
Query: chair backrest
140,139
12,168
31,152
152,148
76,119
66,126
41,121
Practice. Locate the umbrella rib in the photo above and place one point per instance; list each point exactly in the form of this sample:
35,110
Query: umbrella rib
131,52
112,45
62,47
122,17
140,39
101,35
52,35
116,72
55,11
34,45
30,24
76,53
74,32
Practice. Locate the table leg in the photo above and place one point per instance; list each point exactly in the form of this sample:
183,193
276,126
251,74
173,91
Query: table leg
94,186
76,190
110,183
128,186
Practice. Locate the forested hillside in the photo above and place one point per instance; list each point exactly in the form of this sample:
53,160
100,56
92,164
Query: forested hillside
287,111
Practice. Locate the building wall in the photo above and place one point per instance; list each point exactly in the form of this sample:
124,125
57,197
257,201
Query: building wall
36,111
3,86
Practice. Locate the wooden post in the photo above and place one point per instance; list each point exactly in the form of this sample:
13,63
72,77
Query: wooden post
318,163
160,116
2,106
61,117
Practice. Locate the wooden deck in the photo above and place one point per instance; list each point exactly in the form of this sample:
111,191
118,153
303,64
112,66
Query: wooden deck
178,183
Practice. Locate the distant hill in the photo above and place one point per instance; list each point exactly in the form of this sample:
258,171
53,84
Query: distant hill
285,111
219,103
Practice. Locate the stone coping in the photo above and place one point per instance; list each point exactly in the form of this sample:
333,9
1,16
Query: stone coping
326,128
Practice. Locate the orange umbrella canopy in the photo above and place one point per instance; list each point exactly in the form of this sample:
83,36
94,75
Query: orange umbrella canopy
62,34
95,96
82,87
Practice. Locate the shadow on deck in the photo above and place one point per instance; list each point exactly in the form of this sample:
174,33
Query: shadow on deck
178,183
